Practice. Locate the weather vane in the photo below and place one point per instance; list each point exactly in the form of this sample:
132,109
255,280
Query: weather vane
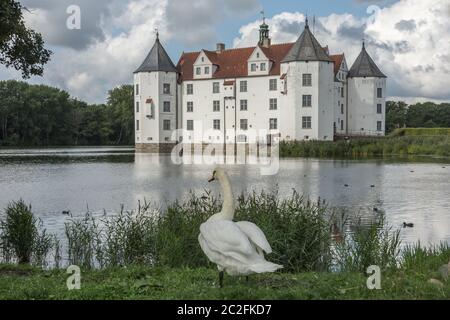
157,33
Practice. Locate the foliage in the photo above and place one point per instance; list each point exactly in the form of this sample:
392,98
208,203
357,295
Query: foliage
420,115
21,238
397,144
376,245
38,115
20,47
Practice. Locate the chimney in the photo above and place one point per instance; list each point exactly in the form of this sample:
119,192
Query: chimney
220,47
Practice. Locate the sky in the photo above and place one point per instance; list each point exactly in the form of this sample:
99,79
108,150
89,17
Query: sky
408,39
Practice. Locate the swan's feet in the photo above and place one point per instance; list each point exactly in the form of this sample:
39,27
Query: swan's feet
221,279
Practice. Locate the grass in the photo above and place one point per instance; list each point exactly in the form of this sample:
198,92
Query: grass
297,228
154,254
140,283
397,144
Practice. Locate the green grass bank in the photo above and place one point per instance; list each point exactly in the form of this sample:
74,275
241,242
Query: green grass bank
402,142
140,283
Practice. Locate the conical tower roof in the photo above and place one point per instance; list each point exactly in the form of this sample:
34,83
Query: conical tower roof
157,60
307,48
365,67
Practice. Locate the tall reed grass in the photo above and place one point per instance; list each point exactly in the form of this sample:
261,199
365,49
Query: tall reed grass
22,237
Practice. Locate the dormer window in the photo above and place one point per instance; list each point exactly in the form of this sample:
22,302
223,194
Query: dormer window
263,66
257,55
198,71
253,67
206,70
203,59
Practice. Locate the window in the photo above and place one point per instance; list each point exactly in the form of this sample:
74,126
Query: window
379,93
342,125
273,84
190,89
198,71
166,107
137,90
253,67
307,101
257,55
137,107
244,124
273,104
273,124
206,70
216,87
190,106
244,105
216,106
342,92
137,125
166,125
307,80
216,124
306,122
243,86
379,108
342,108
263,67
379,126
190,125
166,88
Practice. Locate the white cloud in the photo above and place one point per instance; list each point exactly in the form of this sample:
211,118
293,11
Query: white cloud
409,40
416,61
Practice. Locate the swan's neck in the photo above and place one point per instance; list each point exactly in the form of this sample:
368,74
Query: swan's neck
228,200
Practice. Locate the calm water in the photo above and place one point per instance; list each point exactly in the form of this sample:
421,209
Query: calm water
54,180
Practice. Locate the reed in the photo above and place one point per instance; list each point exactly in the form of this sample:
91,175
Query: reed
22,237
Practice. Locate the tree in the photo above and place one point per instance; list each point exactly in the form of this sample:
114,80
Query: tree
395,115
120,101
20,47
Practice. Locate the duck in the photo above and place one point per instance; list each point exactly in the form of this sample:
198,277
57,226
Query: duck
237,248
408,225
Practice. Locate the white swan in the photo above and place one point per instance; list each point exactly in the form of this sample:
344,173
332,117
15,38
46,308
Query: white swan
235,247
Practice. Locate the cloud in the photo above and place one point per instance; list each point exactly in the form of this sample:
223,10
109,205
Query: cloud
409,41
50,16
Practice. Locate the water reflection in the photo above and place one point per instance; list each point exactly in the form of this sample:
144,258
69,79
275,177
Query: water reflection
54,180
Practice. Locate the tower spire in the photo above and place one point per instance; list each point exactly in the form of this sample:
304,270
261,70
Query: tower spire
264,39
157,33
306,22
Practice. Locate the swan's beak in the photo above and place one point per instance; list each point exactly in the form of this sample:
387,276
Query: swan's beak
211,179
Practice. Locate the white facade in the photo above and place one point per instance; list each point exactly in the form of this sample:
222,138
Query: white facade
303,100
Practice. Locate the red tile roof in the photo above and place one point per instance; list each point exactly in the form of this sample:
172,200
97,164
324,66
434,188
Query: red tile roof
337,59
232,63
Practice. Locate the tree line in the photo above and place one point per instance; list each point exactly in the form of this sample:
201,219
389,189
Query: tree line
39,115
420,115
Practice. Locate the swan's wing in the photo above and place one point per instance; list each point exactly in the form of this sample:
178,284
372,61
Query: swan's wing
256,235
226,238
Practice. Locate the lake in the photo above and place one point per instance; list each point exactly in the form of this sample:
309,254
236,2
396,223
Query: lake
97,179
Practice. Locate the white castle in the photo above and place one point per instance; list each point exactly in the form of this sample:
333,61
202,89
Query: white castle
297,91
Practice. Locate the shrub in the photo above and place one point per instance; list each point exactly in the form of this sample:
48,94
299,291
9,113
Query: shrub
21,237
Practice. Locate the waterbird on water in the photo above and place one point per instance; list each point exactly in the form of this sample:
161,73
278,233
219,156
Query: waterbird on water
237,248
408,225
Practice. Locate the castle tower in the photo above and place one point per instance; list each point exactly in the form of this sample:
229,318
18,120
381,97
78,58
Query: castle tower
367,97
156,97
310,88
